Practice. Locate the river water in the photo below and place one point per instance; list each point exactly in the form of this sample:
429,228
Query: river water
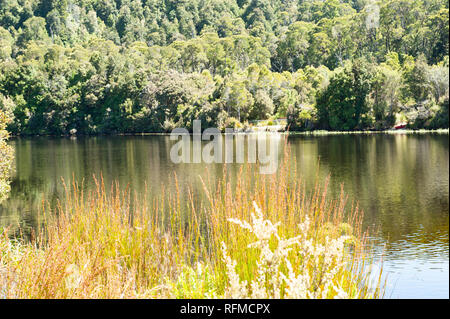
401,182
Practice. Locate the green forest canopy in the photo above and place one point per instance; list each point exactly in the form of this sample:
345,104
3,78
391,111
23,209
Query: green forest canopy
111,66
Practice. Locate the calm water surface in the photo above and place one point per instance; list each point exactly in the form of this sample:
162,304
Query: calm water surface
400,181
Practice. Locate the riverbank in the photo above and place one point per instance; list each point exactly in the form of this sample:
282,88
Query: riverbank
400,131
264,130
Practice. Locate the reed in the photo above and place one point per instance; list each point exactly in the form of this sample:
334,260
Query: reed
246,236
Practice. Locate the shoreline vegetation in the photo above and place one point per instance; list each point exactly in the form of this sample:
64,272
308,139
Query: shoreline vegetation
283,132
120,66
257,237
390,131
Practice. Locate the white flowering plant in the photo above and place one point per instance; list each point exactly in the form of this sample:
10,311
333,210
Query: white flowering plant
295,267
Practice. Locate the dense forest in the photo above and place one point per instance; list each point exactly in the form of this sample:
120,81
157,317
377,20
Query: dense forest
130,66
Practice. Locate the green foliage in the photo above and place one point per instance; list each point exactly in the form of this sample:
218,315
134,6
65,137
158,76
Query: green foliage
417,86
343,104
6,151
195,283
146,66
440,119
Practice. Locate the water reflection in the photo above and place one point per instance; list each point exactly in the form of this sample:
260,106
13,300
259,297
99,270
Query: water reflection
400,181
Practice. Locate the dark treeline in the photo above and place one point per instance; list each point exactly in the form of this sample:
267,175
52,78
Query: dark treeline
110,66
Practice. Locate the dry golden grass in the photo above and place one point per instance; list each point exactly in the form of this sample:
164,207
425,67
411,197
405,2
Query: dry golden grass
224,242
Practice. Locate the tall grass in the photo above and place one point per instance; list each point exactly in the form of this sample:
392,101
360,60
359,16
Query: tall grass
255,236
